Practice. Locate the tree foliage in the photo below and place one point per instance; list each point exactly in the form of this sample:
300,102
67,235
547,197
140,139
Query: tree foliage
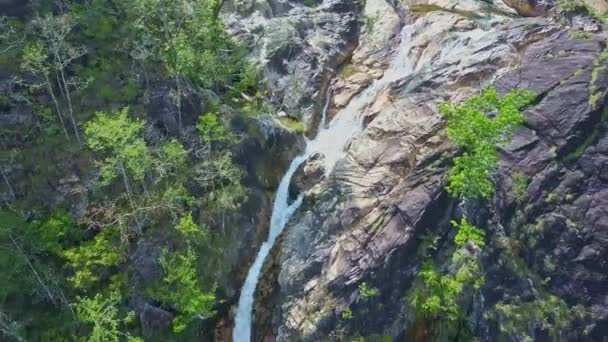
119,139
181,288
101,311
548,313
471,127
82,61
468,233
91,260
441,300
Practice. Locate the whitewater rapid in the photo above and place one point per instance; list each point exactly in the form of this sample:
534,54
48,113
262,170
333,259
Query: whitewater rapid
331,141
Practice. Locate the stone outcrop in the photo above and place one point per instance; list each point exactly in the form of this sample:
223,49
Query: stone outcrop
309,174
364,221
298,45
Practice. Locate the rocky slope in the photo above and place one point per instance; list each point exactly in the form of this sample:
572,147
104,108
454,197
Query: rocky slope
362,224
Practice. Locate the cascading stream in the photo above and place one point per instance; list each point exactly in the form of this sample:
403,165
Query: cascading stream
330,141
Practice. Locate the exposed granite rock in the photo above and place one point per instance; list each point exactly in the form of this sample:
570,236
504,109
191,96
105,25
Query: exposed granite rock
364,221
297,47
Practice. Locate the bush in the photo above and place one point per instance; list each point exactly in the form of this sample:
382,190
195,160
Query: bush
180,287
471,127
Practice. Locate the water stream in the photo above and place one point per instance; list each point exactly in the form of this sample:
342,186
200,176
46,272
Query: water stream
330,141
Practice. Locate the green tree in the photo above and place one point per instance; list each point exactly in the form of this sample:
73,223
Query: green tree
119,139
441,301
471,127
101,311
181,287
189,39
49,57
212,130
34,61
171,158
468,233
92,260
188,228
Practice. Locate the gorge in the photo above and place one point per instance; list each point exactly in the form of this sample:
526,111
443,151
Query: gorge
284,170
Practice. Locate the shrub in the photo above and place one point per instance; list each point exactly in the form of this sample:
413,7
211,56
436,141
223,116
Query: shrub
181,288
471,127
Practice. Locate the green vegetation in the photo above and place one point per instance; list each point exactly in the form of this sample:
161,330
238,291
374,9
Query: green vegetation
572,5
293,124
181,288
596,9
599,65
347,314
440,300
549,313
366,292
310,3
101,179
520,185
91,259
125,152
348,70
102,313
441,297
581,35
370,22
468,233
471,128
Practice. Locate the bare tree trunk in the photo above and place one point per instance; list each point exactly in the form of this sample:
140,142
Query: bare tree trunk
59,82
52,93
69,98
8,183
126,181
179,103
27,260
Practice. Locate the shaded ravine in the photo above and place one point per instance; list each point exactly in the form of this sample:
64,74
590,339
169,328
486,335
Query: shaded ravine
331,142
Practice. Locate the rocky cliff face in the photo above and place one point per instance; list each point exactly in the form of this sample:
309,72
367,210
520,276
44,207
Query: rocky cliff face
298,44
548,223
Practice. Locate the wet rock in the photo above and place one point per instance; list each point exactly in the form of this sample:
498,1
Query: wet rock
266,150
309,174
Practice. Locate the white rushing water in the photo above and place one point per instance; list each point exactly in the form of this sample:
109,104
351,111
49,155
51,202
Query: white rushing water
331,141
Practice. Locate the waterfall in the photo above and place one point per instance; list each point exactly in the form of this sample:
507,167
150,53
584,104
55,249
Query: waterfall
323,123
330,141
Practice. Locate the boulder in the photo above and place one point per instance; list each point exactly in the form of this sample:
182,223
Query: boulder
154,320
307,175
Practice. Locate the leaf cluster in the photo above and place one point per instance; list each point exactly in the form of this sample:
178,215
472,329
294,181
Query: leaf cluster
478,126
181,287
